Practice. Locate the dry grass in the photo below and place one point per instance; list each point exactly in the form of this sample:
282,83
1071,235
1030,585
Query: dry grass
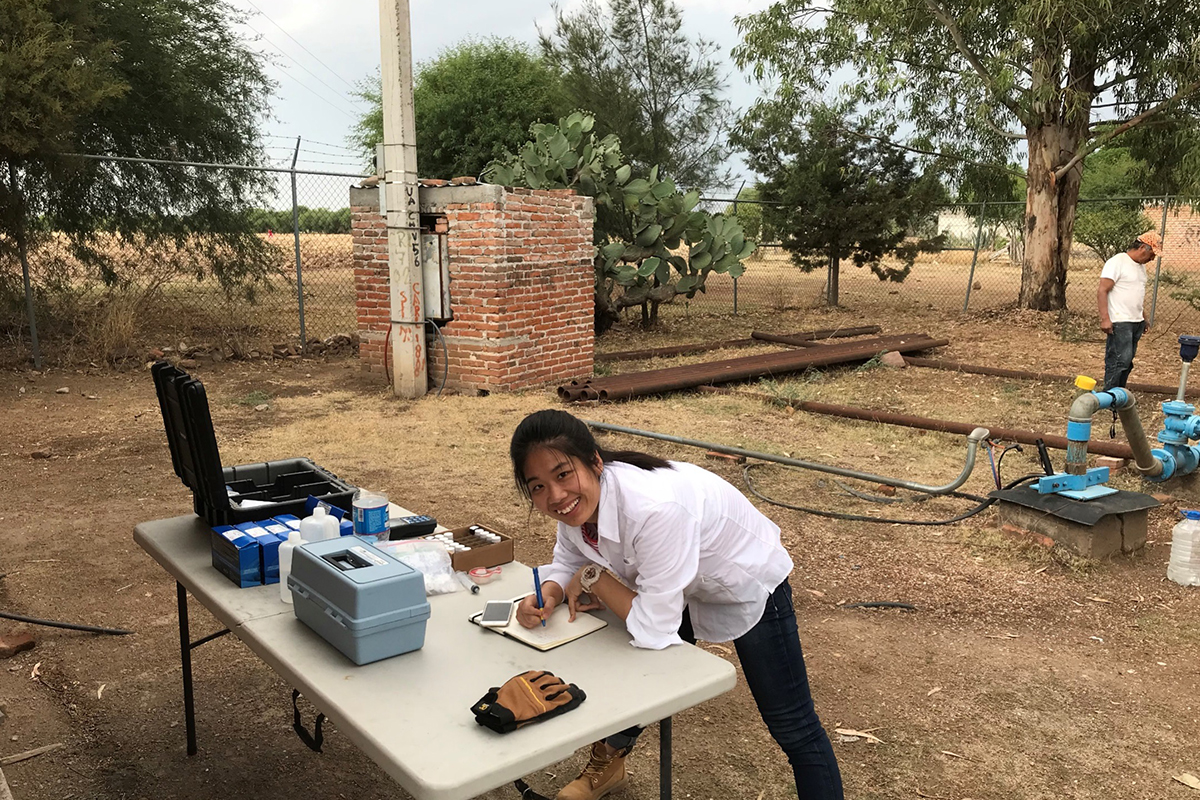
158,302
1041,670
185,308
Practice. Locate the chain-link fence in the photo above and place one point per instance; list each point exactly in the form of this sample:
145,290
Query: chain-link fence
979,266
166,293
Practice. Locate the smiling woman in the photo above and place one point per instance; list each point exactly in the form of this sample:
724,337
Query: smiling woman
677,553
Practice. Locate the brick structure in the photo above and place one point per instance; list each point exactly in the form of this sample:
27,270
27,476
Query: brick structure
521,282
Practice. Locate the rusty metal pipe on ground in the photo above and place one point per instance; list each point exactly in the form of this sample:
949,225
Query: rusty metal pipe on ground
1000,372
1111,449
973,439
688,349
619,387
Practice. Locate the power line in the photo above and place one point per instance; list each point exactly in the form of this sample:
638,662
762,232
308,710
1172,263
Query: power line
287,55
302,47
206,164
316,94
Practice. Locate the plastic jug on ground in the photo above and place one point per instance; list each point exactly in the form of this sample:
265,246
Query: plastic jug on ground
1184,566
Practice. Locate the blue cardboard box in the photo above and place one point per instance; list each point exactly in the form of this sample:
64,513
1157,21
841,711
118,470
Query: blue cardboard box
236,556
290,520
333,511
268,547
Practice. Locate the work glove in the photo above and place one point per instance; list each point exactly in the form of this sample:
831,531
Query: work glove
525,698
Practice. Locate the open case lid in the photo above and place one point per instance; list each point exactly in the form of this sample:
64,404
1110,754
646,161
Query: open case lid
190,435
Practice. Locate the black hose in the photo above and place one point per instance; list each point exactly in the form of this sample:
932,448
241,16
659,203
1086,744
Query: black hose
882,604
1003,453
445,354
526,792
921,498
875,498
68,625
862,517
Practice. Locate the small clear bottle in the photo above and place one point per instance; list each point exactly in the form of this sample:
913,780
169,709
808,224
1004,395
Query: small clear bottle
285,564
370,514
1184,566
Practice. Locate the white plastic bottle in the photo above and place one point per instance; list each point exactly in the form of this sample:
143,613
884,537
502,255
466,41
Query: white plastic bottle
1184,566
285,564
333,527
316,527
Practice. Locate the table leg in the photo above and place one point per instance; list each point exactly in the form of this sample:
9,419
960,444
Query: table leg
664,759
185,661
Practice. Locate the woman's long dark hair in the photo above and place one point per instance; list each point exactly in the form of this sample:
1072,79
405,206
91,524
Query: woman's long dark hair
560,431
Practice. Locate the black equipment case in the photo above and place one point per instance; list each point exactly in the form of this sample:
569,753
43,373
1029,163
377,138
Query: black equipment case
217,491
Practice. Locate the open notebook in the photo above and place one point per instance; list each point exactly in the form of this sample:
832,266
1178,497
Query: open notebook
558,630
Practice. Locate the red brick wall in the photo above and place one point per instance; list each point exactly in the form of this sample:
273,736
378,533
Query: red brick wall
521,287
372,299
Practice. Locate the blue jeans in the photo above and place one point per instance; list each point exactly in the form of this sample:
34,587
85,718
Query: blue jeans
1119,349
773,664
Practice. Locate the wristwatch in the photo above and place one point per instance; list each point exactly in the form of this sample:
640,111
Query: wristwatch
589,575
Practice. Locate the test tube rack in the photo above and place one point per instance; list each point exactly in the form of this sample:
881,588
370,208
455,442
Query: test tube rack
474,546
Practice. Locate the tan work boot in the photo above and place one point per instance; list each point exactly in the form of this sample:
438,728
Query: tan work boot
604,773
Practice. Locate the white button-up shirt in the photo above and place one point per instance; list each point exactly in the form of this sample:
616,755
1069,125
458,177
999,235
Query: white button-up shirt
679,537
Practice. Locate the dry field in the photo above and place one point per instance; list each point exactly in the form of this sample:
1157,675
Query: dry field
1022,674
183,308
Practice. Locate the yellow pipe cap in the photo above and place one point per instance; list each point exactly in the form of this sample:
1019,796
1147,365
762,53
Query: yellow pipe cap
1085,383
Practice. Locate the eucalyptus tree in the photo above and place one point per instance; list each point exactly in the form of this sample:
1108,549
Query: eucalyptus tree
632,65
984,80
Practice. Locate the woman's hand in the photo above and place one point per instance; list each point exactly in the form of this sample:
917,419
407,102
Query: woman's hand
579,600
529,615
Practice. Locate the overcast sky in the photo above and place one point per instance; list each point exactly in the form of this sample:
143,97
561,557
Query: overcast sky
320,49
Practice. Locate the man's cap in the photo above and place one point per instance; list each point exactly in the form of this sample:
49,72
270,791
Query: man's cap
1151,240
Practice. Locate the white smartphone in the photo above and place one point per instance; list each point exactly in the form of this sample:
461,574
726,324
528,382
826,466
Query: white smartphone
497,613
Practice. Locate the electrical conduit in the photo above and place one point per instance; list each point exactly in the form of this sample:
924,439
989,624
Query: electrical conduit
973,439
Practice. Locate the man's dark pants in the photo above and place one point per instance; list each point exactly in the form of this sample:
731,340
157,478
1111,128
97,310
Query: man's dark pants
1119,350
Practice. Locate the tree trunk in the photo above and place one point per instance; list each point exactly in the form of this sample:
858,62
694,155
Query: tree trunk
1063,95
23,254
831,284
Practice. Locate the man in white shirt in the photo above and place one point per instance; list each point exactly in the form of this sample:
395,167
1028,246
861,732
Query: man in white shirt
1119,299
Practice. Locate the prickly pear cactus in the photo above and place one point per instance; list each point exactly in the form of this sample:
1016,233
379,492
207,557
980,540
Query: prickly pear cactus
666,247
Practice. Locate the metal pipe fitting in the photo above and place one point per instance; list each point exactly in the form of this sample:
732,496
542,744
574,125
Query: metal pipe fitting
973,439
1079,430
1144,460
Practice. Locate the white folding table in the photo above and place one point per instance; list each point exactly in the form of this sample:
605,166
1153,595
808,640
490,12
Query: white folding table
411,713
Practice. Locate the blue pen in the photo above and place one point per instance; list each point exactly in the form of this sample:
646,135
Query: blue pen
537,588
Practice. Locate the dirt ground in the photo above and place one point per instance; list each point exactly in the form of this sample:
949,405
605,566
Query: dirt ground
1023,673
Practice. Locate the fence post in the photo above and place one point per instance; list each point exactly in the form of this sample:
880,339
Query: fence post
735,202
23,255
1162,236
296,239
975,254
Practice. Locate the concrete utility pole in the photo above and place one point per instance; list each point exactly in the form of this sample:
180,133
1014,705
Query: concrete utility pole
409,370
